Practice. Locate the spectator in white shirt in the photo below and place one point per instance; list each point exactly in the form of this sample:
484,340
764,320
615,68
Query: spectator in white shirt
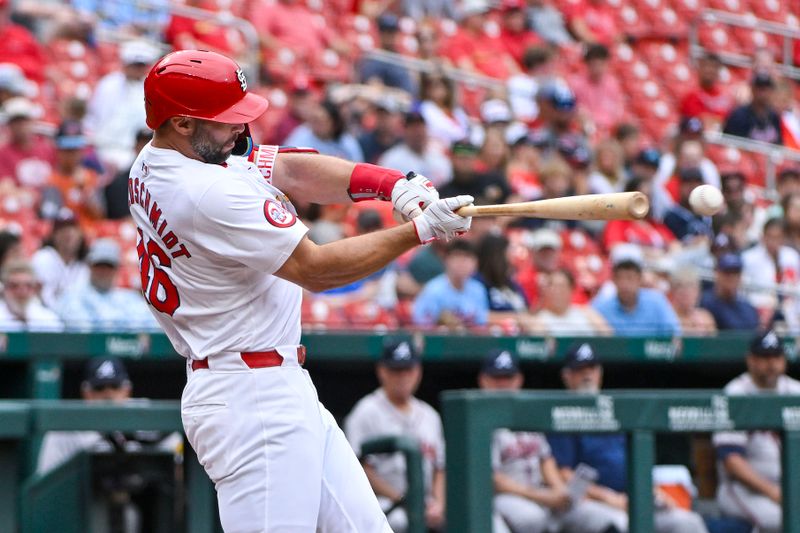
770,265
59,264
20,308
100,305
418,154
116,112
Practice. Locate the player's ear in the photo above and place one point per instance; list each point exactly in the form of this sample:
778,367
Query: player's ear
183,125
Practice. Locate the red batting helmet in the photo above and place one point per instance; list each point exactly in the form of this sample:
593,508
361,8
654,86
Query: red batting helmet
199,84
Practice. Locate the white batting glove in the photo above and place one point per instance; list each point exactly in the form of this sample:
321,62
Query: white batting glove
439,221
412,195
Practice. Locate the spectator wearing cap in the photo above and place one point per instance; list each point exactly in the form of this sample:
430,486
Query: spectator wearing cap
417,153
653,236
100,305
558,315
598,92
607,454
26,158
749,462
13,83
326,131
507,304
392,410
390,74
20,306
515,33
72,185
684,294
386,132
454,299
19,46
529,492
633,310
486,187
115,113
645,164
729,309
105,380
545,246
60,262
446,120
537,68
708,101
680,219
757,120
559,132
475,50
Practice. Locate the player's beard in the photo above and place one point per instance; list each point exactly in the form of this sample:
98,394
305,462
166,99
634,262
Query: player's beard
205,146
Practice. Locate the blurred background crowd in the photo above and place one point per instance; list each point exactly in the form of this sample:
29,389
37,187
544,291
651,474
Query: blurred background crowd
513,100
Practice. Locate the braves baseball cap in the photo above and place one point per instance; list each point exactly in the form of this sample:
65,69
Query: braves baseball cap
400,355
649,157
388,22
105,372
730,262
767,344
500,363
580,355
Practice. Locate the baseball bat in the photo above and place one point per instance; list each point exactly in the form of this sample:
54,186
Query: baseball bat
611,206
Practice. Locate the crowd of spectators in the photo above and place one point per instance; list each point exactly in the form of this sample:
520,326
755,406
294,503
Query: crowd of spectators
547,110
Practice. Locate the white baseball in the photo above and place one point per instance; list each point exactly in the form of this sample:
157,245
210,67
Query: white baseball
706,200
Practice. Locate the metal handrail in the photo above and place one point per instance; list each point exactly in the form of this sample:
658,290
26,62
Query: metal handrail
774,153
746,21
424,65
250,61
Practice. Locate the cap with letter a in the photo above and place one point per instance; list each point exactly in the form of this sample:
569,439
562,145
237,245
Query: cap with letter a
199,84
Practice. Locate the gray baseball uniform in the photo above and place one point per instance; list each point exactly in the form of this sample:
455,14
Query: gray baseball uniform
519,456
375,416
762,449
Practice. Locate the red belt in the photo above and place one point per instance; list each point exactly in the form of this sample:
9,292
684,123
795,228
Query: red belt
258,359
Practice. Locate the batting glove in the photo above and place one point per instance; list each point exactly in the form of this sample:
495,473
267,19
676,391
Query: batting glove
412,195
439,221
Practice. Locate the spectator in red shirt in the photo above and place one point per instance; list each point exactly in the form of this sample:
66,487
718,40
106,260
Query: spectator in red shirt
646,233
471,48
591,21
598,91
26,158
515,34
19,46
709,101
292,24
186,33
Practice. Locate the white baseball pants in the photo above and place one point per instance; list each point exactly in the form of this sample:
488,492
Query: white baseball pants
278,460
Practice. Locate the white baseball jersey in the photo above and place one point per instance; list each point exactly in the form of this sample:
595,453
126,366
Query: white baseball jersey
518,455
210,238
762,449
375,416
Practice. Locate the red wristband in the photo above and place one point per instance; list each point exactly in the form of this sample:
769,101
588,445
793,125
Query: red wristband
371,182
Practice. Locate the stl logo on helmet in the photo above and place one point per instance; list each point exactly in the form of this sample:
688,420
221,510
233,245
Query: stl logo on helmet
277,215
242,79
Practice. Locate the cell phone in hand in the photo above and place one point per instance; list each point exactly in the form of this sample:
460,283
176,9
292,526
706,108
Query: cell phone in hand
583,476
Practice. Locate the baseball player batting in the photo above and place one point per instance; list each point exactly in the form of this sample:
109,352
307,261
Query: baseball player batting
224,260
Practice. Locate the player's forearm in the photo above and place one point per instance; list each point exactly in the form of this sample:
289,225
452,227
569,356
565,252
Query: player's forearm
320,179
438,487
738,467
320,268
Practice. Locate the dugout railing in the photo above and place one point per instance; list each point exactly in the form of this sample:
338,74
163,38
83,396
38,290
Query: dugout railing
471,416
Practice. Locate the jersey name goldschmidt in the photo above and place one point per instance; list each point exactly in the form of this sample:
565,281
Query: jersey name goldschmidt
210,238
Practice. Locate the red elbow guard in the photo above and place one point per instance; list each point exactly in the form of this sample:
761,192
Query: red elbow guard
371,182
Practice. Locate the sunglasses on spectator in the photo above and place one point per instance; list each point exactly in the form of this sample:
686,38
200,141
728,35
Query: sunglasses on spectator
20,285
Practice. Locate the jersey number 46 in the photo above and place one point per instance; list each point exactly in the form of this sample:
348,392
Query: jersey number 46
157,288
